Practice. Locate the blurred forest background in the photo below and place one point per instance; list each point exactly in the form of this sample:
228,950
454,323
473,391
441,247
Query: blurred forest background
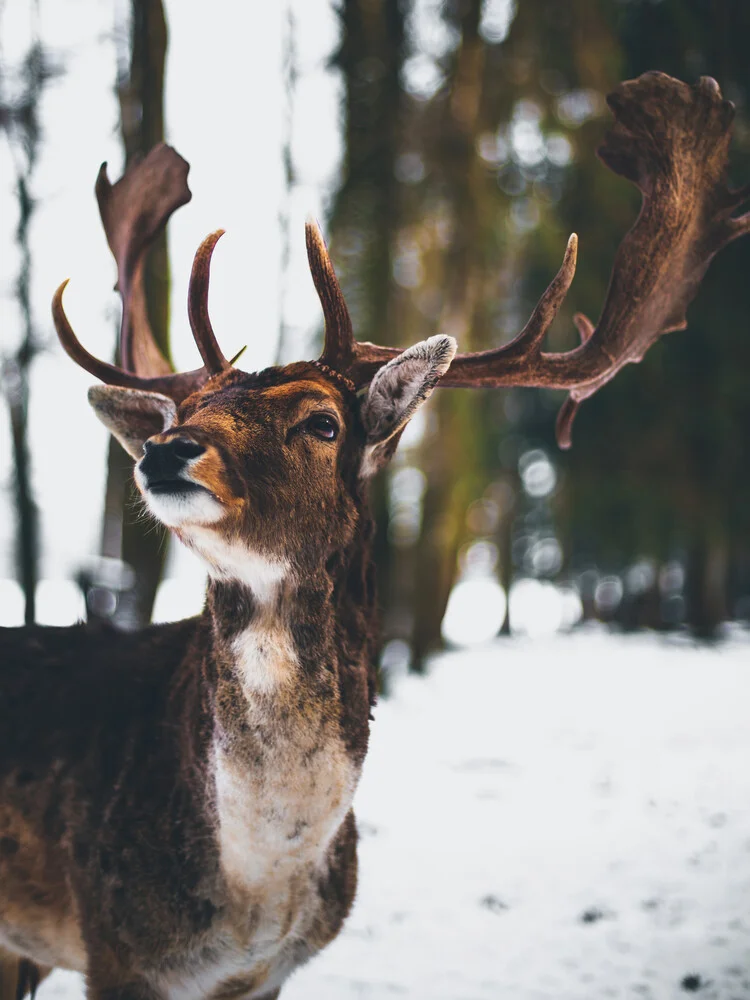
468,130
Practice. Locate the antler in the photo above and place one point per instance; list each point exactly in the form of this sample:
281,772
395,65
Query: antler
203,333
133,212
339,344
672,141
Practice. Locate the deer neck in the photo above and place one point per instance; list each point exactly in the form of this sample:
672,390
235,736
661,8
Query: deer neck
253,607
289,728
272,637
291,643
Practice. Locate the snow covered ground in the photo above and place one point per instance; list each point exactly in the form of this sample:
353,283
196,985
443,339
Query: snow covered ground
562,819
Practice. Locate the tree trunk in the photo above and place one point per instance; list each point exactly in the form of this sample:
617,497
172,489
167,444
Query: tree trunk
705,585
368,207
126,535
453,466
21,120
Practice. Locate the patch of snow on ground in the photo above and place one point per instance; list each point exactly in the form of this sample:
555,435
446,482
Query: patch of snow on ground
566,819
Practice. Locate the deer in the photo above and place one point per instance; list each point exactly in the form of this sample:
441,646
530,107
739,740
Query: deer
176,803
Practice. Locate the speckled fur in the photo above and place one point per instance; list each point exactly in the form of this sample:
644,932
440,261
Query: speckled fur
175,804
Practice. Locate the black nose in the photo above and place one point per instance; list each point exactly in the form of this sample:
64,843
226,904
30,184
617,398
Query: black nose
162,463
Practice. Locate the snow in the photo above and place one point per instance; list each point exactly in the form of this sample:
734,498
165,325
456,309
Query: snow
565,819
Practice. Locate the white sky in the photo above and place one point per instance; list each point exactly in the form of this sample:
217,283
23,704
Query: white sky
227,114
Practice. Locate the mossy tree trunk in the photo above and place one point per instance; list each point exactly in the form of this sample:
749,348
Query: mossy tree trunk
367,211
453,459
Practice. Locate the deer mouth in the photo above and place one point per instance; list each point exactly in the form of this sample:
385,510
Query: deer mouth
175,487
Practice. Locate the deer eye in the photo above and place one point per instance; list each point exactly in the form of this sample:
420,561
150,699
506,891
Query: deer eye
323,426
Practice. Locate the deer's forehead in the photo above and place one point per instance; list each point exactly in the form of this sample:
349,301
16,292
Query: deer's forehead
295,393
250,404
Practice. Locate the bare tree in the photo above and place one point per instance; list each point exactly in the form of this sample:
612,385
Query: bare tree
19,120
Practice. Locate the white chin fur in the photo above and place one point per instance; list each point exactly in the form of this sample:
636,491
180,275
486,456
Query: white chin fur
176,510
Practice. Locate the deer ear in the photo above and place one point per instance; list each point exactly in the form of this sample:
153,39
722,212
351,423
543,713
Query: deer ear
396,393
132,415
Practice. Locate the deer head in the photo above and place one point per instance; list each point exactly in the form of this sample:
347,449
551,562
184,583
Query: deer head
276,459
273,461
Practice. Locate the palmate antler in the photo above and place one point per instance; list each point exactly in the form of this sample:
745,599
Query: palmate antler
672,141
133,212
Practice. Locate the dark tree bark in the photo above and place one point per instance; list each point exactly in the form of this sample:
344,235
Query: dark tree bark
126,535
454,464
368,207
21,122
17,387
705,585
376,209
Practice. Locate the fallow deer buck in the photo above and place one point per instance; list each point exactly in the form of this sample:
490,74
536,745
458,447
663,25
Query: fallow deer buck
176,804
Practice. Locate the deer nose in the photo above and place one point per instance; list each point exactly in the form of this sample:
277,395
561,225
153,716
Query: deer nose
163,463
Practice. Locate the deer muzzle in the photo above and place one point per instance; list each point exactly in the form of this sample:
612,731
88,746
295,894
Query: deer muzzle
164,466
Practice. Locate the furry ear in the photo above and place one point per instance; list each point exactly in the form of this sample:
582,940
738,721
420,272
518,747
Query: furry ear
396,393
132,415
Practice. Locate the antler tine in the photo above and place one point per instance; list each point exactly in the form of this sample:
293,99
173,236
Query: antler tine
528,342
564,424
177,386
339,344
200,322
